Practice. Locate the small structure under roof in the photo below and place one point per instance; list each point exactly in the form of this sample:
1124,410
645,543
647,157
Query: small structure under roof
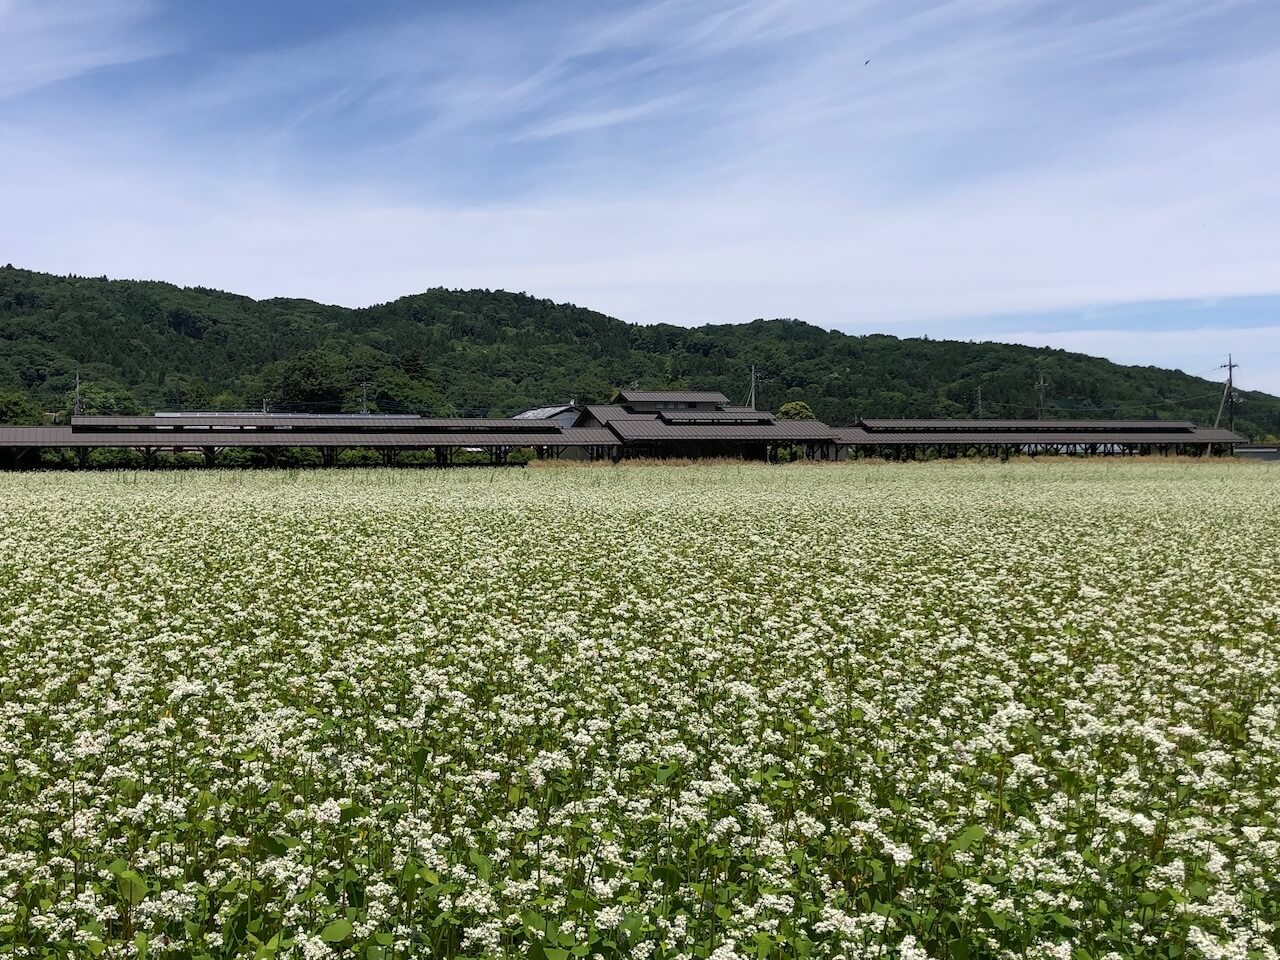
561,414
544,413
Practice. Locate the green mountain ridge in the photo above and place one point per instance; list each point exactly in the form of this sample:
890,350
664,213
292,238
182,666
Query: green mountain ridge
148,345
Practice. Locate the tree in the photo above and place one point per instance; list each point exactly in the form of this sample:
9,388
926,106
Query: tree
102,400
795,410
18,408
484,351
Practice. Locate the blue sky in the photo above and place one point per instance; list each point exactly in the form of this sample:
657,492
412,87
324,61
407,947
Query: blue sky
1095,175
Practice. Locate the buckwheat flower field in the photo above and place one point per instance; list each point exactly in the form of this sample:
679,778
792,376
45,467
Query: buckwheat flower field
910,711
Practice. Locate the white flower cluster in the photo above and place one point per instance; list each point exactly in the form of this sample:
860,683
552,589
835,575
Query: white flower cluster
911,711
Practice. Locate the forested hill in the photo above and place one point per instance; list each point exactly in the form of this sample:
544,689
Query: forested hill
142,346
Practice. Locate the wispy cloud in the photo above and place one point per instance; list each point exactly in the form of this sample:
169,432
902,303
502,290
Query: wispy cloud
696,161
42,43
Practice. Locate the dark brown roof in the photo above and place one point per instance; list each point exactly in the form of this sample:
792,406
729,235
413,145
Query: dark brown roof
276,421
1037,426
857,435
608,412
243,419
715,416
672,396
66,437
779,431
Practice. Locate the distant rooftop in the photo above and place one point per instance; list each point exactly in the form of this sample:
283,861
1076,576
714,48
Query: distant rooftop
672,396
252,414
899,425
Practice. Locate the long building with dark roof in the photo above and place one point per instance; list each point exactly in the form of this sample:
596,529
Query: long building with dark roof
637,424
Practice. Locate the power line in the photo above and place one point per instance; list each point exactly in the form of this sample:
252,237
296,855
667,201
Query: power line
1103,408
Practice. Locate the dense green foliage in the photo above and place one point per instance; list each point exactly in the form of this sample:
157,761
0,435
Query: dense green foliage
795,410
146,345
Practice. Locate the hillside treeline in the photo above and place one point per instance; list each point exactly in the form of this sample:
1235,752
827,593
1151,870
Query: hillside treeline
142,346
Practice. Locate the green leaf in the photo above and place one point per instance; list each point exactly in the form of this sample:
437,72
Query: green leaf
351,811
133,889
555,953
668,874
998,920
968,837
483,865
410,871
336,932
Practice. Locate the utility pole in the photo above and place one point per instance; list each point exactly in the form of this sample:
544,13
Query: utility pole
264,404
1228,393
1040,388
79,407
364,397
979,401
751,397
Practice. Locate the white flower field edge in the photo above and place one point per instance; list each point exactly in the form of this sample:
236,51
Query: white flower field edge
947,711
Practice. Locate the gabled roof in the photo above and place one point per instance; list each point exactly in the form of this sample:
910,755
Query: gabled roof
609,412
672,396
